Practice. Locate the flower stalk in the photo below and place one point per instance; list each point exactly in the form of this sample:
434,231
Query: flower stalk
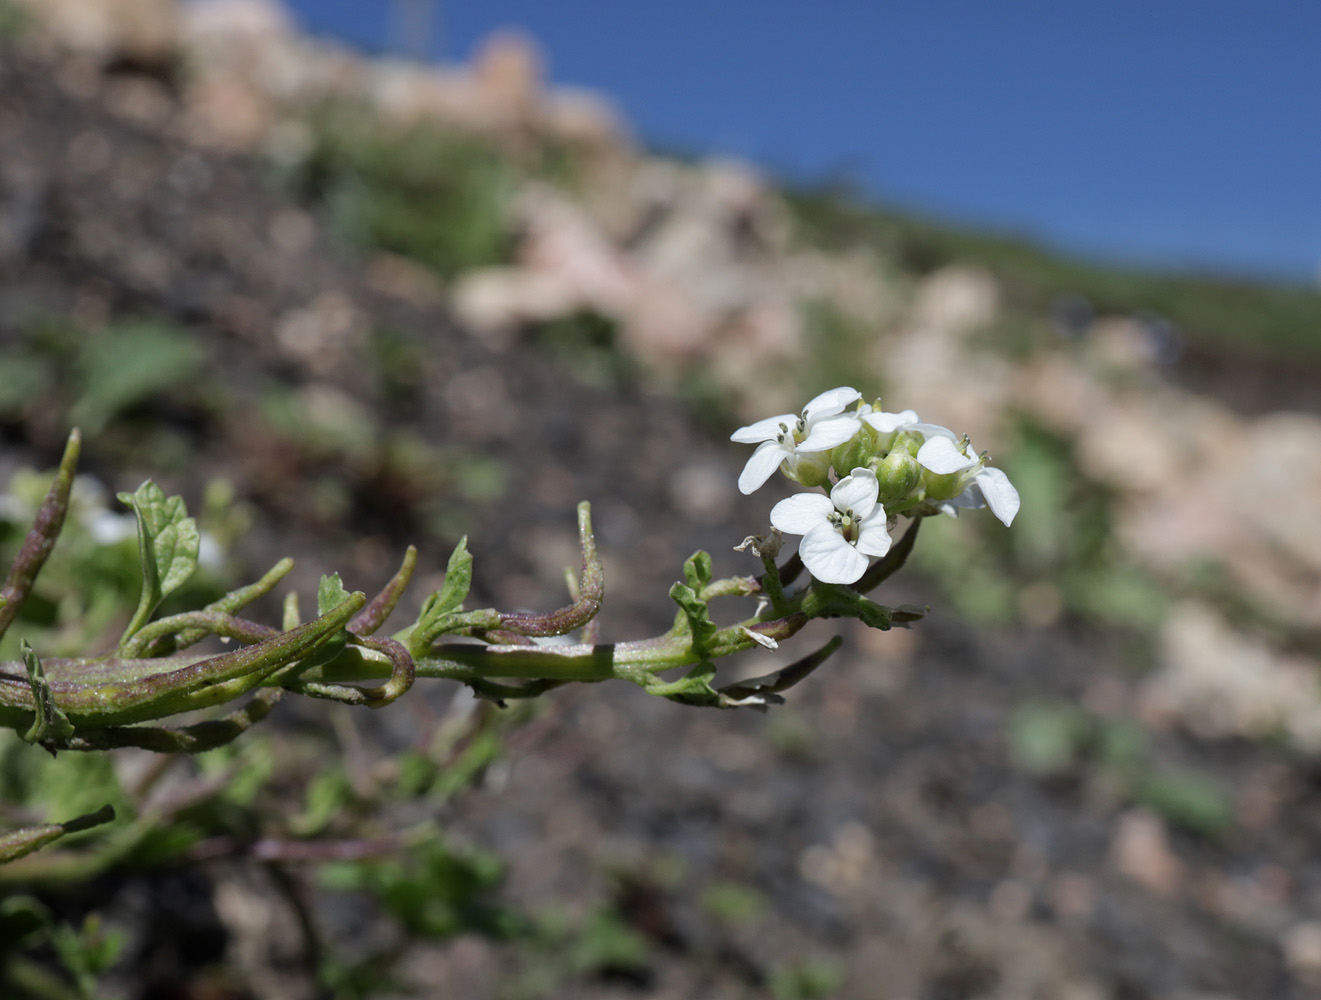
128,696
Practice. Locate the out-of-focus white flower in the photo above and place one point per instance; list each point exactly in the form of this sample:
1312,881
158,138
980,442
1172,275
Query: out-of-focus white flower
982,485
108,528
823,425
839,532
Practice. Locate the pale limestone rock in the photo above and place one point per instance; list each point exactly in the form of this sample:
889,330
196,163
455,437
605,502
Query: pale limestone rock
140,31
1221,683
956,300
1141,851
1301,945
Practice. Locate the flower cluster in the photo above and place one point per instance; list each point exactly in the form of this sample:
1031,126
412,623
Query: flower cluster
877,466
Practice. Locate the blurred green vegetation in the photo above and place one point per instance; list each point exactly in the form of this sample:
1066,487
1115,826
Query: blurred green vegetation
421,191
97,375
1054,738
13,19
1263,317
1060,552
585,344
92,579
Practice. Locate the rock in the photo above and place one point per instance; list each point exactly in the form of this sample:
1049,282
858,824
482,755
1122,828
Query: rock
1222,683
143,33
1140,850
1301,945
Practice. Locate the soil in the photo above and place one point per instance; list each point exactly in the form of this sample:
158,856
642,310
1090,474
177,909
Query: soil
881,833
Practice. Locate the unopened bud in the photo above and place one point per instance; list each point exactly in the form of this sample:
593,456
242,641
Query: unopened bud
906,441
898,473
811,469
856,452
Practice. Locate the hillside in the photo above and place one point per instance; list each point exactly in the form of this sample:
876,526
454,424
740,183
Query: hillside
344,304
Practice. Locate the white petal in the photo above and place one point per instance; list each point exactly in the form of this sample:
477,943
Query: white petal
856,492
829,558
757,637
830,402
1000,494
826,434
763,430
801,512
873,539
942,456
969,499
761,466
888,423
928,431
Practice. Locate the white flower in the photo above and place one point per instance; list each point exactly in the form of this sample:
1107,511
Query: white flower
840,531
905,420
822,426
987,487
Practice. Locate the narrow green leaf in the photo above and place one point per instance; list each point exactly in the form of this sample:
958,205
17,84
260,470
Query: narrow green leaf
434,619
693,688
50,727
697,570
17,843
458,578
168,543
847,602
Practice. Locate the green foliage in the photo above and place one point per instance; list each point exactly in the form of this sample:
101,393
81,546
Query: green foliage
1187,799
1256,316
88,952
434,890
586,344
168,544
13,19
422,191
94,572
838,341
605,942
48,723
1046,738
811,980
84,953
130,363
1050,738
696,616
441,608
697,570
24,379
733,902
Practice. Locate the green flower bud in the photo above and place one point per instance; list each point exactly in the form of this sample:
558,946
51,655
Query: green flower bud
906,441
856,452
898,473
810,468
943,487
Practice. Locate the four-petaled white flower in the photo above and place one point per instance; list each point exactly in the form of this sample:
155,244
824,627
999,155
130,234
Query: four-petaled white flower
987,487
822,426
839,532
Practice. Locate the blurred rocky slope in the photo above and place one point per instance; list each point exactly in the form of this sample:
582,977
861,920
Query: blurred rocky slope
173,186
704,271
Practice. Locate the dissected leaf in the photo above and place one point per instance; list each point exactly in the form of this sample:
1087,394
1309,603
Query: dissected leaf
697,570
695,610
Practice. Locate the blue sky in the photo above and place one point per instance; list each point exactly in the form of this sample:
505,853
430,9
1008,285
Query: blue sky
1182,133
